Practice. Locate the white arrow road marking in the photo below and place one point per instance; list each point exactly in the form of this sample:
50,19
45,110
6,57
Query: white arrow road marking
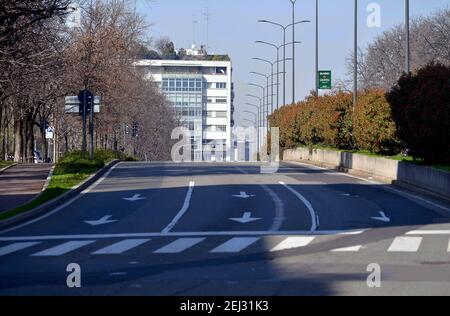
382,218
243,195
102,221
246,218
134,198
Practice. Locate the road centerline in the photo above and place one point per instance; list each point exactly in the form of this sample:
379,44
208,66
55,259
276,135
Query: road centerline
312,212
183,210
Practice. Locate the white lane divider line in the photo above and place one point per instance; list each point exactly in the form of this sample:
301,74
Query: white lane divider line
312,212
405,244
235,245
180,245
292,243
6,250
63,248
348,249
183,210
121,247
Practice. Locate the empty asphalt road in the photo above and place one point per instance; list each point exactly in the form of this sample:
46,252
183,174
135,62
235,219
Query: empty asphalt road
228,229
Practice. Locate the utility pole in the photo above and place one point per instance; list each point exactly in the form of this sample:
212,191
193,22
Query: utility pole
207,17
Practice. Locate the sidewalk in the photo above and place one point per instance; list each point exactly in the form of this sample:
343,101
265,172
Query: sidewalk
21,183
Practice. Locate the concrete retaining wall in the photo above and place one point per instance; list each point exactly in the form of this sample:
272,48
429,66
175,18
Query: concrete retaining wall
401,173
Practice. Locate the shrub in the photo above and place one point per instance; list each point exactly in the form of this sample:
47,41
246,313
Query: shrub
373,126
420,105
74,163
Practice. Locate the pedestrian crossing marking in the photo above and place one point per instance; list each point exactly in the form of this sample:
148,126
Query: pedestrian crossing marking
63,249
402,244
235,245
180,245
293,242
121,247
348,249
6,250
405,244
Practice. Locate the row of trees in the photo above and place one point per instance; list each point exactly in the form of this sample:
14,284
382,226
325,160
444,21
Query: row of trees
381,63
413,115
43,59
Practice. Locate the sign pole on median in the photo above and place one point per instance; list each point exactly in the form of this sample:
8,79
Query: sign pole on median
86,99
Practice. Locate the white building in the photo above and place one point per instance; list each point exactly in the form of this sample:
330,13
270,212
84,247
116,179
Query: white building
201,92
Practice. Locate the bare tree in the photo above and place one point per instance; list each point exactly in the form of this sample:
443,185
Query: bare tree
382,62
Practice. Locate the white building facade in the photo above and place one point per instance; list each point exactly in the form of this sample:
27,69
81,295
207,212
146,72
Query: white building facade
202,95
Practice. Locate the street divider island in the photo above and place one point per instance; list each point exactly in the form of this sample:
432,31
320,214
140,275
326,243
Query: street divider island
69,177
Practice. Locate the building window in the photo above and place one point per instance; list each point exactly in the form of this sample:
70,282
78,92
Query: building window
221,85
221,100
221,128
221,70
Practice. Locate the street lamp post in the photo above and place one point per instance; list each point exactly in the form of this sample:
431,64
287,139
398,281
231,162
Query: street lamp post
264,93
271,65
355,58
259,122
293,51
266,104
317,47
284,28
407,44
278,64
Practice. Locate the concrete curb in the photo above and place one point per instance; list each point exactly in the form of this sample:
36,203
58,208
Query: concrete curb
50,205
6,168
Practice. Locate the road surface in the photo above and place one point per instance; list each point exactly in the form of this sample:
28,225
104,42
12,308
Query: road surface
228,229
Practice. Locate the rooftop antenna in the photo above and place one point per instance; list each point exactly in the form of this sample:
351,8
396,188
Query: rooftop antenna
207,17
194,23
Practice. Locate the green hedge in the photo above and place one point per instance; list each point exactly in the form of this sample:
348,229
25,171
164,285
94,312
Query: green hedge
420,104
74,163
330,121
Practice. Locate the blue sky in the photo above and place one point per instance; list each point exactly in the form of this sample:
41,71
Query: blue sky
234,29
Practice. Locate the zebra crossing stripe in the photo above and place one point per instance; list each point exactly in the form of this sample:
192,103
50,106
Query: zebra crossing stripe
235,245
121,247
448,249
348,249
293,242
6,250
180,245
63,249
405,244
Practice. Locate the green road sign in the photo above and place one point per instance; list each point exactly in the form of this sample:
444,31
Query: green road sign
325,80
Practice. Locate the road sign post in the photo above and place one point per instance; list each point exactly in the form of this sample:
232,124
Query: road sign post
86,99
325,80
84,104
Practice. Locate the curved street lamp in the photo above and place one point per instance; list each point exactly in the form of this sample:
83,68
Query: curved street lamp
285,27
278,64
